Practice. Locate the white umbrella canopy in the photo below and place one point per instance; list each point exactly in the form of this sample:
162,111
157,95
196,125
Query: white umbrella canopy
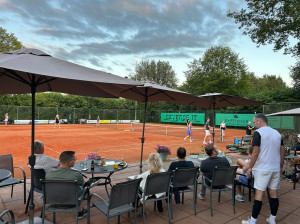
52,74
293,112
31,71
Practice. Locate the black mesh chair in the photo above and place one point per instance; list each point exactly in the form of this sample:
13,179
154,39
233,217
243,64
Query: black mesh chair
155,184
7,217
6,162
294,175
39,174
185,180
120,198
222,176
61,196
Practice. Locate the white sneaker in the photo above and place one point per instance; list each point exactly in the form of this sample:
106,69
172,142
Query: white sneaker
191,140
269,222
184,138
246,221
201,196
239,198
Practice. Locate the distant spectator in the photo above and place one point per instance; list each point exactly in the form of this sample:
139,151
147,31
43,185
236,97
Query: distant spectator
249,129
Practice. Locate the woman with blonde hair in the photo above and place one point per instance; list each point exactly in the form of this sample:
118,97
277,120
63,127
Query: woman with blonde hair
155,165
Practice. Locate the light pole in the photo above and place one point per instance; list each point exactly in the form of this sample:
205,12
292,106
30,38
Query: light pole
136,61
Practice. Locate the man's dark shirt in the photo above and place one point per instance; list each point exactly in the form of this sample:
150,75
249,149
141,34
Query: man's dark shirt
248,131
208,165
207,125
178,164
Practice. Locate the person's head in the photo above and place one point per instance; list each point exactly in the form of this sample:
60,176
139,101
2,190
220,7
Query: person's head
67,159
250,150
249,123
38,147
208,120
181,153
223,122
298,138
260,120
211,150
154,163
190,123
6,114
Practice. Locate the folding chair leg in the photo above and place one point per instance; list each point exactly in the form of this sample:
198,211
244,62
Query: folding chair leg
182,199
233,200
54,215
144,212
12,191
170,199
219,199
211,209
27,204
118,219
169,210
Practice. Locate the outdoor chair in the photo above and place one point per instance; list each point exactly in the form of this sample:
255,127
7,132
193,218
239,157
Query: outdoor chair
39,175
250,185
61,196
294,176
7,217
6,162
245,144
120,198
185,180
222,176
157,183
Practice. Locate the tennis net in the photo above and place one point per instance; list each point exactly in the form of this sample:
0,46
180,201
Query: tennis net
167,130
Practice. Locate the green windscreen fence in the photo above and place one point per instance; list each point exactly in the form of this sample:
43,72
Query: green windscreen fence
281,122
236,120
196,118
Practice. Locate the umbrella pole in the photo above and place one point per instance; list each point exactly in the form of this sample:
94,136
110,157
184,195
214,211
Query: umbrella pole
214,105
143,135
32,156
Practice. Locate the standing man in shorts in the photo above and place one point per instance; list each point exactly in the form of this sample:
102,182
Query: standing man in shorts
6,119
268,154
207,133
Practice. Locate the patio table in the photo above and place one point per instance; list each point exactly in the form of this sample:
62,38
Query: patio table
100,170
4,174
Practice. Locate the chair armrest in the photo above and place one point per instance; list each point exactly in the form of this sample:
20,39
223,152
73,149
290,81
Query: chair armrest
24,174
85,190
205,178
97,196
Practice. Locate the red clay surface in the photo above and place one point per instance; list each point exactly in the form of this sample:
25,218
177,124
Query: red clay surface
109,143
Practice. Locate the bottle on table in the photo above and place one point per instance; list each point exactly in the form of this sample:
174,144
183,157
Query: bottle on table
92,165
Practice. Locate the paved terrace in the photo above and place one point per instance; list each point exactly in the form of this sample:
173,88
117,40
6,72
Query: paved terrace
289,209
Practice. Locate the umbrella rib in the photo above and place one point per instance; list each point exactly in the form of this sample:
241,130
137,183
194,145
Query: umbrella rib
134,89
163,92
223,98
15,76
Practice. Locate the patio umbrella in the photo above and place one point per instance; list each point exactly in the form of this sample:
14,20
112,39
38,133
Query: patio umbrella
293,112
32,71
220,100
152,92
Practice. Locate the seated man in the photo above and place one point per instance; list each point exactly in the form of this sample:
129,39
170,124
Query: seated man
67,160
42,161
242,179
181,154
297,160
208,165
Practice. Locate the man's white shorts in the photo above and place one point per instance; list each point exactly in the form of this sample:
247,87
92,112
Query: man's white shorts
264,180
207,133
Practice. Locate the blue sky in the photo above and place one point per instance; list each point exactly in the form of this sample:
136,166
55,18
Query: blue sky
109,35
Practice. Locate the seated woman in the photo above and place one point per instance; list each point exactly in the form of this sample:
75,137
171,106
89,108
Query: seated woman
181,154
242,178
155,165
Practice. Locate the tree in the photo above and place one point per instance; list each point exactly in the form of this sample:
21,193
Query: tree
269,89
295,75
271,22
8,42
160,73
219,70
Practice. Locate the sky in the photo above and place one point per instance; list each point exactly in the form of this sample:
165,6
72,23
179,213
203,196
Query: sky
114,35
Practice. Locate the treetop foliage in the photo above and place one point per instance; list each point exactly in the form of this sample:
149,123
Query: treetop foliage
8,42
271,22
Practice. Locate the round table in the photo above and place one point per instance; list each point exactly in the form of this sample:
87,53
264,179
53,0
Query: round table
4,174
99,170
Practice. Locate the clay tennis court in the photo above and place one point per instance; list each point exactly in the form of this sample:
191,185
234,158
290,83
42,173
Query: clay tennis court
108,142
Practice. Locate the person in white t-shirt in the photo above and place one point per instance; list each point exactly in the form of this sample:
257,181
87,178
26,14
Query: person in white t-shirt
268,155
42,161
